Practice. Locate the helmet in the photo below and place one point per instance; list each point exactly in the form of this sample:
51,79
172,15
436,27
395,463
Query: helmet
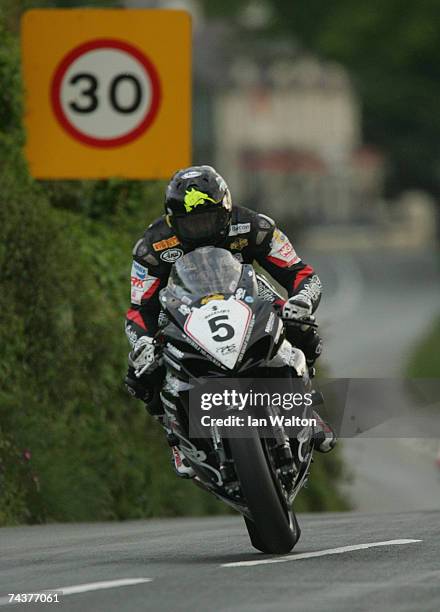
199,207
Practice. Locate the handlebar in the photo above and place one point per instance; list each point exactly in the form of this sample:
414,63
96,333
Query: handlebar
309,321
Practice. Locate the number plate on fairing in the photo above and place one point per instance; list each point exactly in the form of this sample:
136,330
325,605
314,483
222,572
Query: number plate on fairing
220,327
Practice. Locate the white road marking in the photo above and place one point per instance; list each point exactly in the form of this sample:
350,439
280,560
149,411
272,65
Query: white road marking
97,586
82,588
318,553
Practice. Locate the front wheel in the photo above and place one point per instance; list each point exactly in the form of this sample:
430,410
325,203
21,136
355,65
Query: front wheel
273,528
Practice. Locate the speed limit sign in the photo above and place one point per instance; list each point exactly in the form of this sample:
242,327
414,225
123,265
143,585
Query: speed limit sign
104,95
105,92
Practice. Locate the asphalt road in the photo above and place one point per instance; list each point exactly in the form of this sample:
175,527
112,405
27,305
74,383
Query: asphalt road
181,564
184,561
376,306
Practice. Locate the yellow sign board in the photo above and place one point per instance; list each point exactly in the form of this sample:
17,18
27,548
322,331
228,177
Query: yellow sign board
108,92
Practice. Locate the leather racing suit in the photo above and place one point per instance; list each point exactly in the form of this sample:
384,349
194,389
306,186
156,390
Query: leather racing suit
252,237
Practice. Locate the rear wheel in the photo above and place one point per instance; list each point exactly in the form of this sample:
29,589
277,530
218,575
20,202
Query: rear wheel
273,528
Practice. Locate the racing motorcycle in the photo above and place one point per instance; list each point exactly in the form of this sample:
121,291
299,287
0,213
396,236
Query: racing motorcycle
218,324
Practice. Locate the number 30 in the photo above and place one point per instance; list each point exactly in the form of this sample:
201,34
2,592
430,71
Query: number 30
91,90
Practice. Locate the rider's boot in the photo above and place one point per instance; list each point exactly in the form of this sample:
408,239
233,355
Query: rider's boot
324,438
178,460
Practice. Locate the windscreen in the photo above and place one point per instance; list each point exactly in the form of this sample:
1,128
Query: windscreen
204,271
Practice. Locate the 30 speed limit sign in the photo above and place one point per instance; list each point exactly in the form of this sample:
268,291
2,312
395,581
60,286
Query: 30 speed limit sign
105,92
104,95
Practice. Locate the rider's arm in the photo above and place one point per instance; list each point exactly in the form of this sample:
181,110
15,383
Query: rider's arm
277,256
147,279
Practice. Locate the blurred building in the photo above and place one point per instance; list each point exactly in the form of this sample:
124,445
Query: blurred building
285,128
286,133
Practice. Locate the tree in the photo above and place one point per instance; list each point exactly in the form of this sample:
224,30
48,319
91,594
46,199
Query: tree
392,50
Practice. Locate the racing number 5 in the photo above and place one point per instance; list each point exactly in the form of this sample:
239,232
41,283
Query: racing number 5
216,325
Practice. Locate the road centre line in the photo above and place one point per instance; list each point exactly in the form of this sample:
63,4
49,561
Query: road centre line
318,553
81,588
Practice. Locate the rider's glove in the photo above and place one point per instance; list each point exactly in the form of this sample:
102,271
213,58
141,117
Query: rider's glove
141,358
297,308
141,387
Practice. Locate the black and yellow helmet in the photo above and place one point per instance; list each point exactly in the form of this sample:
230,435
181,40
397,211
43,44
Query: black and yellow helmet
199,207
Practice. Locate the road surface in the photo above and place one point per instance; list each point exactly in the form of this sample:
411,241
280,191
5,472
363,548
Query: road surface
186,564
376,306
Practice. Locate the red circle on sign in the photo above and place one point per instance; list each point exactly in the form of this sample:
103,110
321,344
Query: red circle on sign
108,43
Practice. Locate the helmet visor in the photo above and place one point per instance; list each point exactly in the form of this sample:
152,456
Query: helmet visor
201,226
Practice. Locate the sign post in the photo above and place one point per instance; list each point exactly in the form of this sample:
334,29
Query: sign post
108,93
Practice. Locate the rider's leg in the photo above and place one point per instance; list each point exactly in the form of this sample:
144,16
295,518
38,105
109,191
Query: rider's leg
181,467
324,438
178,459
310,343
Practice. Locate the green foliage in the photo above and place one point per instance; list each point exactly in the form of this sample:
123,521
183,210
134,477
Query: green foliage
11,10
392,50
323,489
93,454
425,361
10,100
15,478
73,445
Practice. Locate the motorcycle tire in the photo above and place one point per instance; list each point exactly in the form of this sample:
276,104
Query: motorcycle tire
273,527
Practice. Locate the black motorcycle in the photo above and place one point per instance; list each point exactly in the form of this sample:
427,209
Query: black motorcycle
222,323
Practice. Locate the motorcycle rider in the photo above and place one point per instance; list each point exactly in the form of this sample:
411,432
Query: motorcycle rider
199,212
